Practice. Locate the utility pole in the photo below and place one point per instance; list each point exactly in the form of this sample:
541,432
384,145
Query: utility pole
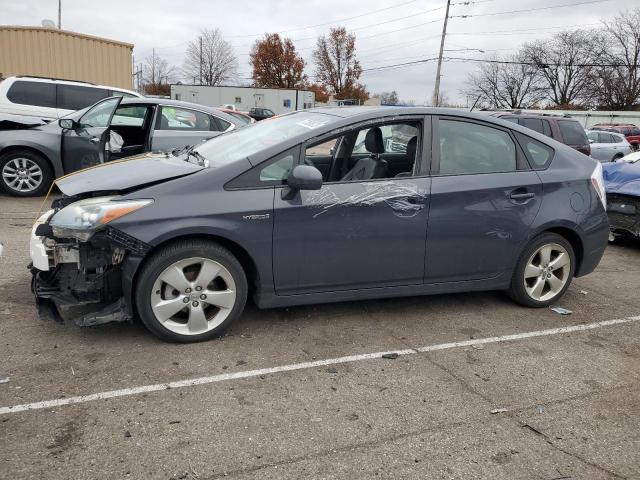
200,59
436,90
153,66
59,14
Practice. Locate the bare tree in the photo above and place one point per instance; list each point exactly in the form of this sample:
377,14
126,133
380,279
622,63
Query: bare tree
512,84
618,87
210,59
156,75
565,64
337,68
388,98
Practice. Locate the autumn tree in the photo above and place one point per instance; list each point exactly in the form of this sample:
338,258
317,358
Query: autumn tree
157,74
321,94
276,64
505,82
210,59
337,68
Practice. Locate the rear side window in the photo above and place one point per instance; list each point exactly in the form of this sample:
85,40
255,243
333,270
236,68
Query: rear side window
38,94
533,124
606,138
537,152
572,132
175,118
468,148
634,131
75,97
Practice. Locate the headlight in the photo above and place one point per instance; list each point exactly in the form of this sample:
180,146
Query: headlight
81,219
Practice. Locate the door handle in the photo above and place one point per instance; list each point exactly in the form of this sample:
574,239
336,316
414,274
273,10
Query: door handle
520,195
94,139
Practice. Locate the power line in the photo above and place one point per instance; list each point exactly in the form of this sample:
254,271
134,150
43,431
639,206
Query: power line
530,9
521,30
333,21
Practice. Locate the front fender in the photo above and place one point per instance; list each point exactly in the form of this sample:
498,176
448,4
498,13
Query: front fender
43,143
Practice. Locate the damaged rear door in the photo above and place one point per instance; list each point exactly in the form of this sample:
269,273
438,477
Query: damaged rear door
353,234
85,145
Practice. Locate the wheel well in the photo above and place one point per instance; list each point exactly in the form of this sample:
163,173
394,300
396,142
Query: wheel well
246,261
574,239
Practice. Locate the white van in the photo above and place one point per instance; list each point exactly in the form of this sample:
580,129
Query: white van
50,98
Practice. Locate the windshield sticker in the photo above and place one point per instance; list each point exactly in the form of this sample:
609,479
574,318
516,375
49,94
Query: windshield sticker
312,123
398,197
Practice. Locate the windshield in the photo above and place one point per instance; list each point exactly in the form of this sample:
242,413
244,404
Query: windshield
249,140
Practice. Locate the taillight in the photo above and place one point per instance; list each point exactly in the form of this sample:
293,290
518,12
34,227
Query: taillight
598,184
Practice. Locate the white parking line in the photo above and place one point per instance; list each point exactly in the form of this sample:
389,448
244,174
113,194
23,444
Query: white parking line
302,366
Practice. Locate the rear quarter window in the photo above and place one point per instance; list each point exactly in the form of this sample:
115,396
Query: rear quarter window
572,132
538,154
38,94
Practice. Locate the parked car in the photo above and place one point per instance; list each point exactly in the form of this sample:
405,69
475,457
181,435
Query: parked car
242,117
630,131
32,157
287,212
631,158
622,184
608,146
261,113
562,128
51,98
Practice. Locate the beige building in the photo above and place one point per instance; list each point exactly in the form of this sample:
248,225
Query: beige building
49,52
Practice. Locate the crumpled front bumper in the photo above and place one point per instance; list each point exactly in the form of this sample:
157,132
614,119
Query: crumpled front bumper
624,214
87,282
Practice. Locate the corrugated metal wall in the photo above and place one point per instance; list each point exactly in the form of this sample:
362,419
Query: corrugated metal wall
50,52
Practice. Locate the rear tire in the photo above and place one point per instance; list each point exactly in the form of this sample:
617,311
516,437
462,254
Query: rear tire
543,272
617,157
24,173
190,291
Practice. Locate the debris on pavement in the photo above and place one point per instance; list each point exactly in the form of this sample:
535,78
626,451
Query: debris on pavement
478,346
332,370
561,311
4,378
539,409
127,434
584,292
390,356
498,410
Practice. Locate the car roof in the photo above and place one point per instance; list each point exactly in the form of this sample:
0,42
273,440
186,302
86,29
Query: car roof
64,81
615,134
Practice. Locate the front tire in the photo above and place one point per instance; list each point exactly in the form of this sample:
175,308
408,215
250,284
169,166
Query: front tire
24,173
544,271
190,291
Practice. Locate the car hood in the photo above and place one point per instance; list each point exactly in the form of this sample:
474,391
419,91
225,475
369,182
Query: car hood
128,174
622,177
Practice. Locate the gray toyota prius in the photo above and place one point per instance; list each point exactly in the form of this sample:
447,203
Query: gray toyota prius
319,206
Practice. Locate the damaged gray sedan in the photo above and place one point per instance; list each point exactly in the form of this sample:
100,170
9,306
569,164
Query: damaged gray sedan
320,206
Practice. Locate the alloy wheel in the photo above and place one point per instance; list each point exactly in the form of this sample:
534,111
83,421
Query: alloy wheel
547,272
193,296
22,174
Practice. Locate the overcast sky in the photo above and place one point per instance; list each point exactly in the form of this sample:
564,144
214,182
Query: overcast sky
404,31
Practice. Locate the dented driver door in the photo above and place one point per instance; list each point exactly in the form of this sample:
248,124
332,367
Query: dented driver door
351,235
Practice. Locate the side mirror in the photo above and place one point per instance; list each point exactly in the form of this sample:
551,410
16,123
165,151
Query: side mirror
302,177
591,141
67,123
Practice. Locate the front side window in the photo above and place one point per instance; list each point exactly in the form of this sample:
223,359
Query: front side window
100,114
594,137
269,173
572,132
470,148
278,171
177,118
606,138
373,153
75,97
38,94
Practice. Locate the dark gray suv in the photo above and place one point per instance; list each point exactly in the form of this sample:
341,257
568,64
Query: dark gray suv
320,206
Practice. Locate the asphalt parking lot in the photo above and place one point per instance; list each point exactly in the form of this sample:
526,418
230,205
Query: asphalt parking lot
527,394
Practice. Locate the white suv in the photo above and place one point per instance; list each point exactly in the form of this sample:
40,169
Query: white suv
49,98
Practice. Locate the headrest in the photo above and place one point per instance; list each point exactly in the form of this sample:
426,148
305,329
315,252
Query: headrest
373,141
411,147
